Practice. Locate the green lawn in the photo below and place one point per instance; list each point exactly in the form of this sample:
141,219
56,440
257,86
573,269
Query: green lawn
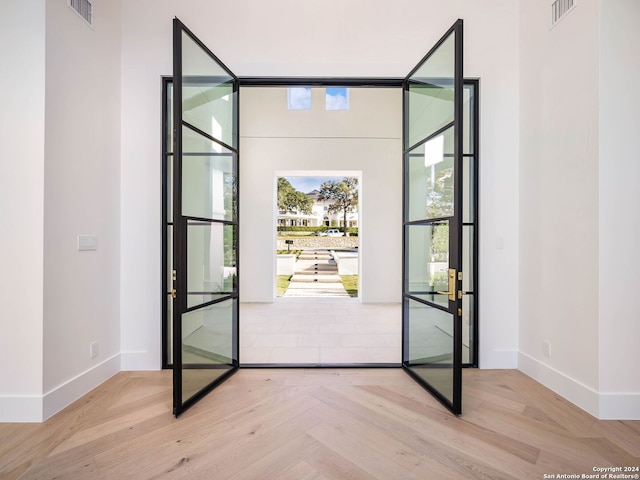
282,283
350,283
289,252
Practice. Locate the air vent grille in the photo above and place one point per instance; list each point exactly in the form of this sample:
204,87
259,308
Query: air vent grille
83,8
559,8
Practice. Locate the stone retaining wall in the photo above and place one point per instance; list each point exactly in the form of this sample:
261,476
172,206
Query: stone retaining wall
318,242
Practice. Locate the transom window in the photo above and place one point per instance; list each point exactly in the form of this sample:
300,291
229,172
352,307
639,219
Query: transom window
299,98
336,98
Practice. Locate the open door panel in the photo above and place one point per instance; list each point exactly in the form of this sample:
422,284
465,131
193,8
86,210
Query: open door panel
205,219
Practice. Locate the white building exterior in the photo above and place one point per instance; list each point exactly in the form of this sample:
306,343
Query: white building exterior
319,216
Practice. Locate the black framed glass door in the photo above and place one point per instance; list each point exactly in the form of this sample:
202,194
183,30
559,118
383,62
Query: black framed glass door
432,217
205,220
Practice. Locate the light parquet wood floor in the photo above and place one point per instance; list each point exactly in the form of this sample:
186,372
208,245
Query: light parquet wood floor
317,423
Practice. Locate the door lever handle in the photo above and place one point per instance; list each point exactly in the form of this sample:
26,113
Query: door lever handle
451,293
452,286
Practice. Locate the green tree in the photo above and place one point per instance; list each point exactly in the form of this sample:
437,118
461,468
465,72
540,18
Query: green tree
343,195
292,200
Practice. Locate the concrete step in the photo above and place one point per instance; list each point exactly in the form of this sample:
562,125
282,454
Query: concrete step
302,256
316,272
316,266
330,293
311,261
315,278
313,267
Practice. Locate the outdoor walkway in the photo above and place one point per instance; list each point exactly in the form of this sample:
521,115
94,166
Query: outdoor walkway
316,275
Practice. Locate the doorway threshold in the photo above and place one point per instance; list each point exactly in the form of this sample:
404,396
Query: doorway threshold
321,365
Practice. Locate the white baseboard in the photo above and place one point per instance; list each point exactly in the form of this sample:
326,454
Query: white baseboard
67,393
19,409
573,390
619,406
38,408
140,361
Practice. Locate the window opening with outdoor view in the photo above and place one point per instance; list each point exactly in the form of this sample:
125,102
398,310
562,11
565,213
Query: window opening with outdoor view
299,98
337,98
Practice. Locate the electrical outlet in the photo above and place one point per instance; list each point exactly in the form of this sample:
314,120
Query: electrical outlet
547,348
93,349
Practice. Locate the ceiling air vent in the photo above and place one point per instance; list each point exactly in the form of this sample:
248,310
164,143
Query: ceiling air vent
82,8
560,8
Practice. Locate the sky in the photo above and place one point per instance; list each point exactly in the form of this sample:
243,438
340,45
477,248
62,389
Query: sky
336,98
300,98
307,184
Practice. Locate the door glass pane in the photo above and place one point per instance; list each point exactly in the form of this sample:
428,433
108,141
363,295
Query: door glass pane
468,167
169,257
467,258
207,339
209,170
169,329
208,96
211,261
430,182
468,125
468,334
169,188
169,108
429,349
427,257
430,95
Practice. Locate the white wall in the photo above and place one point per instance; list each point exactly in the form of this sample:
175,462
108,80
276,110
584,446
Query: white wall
559,199
619,171
82,189
366,138
322,38
145,56
22,84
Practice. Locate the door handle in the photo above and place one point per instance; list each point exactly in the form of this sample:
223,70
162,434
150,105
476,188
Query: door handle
452,285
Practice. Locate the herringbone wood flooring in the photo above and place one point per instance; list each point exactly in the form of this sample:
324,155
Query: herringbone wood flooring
317,423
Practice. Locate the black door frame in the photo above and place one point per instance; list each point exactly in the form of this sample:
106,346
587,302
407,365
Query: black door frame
166,82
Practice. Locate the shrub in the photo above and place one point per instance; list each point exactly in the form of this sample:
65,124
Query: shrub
282,228
353,231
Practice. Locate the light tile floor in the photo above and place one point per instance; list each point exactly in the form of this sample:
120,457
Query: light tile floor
320,331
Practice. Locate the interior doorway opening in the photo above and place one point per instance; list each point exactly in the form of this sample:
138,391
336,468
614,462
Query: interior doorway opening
317,234
318,139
